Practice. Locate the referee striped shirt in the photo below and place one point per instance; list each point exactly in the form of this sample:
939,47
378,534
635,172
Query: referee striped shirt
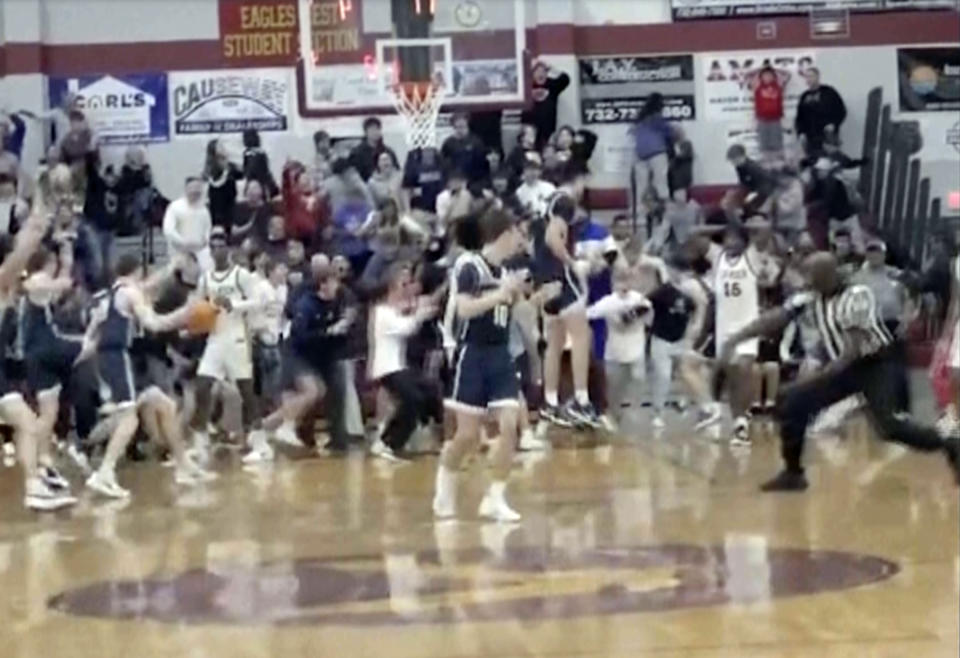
852,312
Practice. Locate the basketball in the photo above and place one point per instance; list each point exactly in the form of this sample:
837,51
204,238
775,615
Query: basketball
202,317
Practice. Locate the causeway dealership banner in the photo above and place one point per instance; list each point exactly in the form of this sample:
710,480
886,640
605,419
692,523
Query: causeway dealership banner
121,109
728,80
929,79
697,9
614,89
230,101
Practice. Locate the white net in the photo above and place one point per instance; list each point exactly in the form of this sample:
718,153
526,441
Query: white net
419,105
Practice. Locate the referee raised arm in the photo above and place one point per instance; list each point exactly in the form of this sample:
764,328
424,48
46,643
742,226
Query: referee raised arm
861,361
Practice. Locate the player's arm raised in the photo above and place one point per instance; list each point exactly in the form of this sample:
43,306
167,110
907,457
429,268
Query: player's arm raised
25,243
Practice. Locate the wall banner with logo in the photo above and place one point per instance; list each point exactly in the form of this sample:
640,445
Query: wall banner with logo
728,81
259,32
929,79
120,109
230,101
614,89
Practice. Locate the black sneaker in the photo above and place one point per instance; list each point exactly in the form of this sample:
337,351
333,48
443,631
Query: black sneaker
952,449
555,415
584,414
786,481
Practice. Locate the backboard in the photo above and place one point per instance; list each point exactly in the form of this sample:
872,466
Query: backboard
354,51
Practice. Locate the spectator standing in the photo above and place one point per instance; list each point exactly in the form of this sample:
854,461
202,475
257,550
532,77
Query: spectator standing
751,175
547,86
256,164
102,210
350,203
574,146
13,209
526,143
187,225
768,110
680,174
422,182
221,177
303,209
789,206
322,157
137,193
454,202
653,142
364,156
386,181
275,244
464,151
534,193
820,113
251,216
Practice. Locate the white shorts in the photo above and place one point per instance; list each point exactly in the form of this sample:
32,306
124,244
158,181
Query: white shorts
746,348
226,360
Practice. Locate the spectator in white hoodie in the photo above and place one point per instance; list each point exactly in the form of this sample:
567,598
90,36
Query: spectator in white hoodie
187,224
627,313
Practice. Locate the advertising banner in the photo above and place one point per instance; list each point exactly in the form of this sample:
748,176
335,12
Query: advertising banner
929,79
700,9
230,101
728,81
259,32
121,109
614,89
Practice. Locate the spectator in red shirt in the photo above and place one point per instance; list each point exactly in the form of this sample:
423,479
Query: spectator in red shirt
304,211
768,108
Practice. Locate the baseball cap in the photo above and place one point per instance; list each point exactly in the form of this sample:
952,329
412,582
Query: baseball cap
218,234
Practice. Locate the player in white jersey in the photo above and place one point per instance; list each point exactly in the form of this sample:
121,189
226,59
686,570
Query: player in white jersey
738,304
228,354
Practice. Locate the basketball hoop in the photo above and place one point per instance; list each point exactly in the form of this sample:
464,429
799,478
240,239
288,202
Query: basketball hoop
419,105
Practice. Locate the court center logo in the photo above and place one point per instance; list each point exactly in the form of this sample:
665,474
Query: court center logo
475,585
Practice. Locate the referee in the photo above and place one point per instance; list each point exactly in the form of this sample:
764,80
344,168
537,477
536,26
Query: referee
862,360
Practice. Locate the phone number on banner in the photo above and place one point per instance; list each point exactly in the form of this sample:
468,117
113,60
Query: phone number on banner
627,110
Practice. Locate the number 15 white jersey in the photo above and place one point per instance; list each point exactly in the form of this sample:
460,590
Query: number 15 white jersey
737,293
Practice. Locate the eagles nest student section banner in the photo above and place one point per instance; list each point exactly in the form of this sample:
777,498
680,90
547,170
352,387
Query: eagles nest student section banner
259,32
230,101
929,79
614,89
728,81
121,109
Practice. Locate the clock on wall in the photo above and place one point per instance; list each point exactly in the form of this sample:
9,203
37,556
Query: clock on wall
468,13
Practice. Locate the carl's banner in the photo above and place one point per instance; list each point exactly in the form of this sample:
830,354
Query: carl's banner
120,109
728,81
230,101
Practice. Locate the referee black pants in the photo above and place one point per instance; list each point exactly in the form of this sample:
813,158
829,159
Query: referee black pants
415,398
880,378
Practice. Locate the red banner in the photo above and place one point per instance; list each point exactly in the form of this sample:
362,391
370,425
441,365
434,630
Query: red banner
259,32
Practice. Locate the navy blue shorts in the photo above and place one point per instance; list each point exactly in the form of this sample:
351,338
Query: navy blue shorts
570,294
52,367
118,384
7,384
484,376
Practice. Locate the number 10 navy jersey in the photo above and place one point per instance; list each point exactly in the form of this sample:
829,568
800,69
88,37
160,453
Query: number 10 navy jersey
476,278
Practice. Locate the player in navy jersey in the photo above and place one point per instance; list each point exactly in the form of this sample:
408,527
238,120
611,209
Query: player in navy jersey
565,315
861,361
43,486
484,376
121,314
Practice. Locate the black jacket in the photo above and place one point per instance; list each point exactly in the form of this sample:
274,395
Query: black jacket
364,157
817,109
543,114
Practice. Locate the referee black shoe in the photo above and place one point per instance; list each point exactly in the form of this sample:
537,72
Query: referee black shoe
786,481
952,448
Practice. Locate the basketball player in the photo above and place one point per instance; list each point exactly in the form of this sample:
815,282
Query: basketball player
484,376
48,352
14,411
737,305
228,354
564,316
860,361
120,316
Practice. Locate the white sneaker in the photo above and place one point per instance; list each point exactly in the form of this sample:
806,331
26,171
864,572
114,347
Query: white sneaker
287,433
9,450
382,450
260,449
741,433
658,423
106,484
444,499
38,496
191,475
199,453
79,458
530,443
608,424
495,508
710,415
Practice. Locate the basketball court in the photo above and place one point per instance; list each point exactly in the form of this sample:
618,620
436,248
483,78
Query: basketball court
642,547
